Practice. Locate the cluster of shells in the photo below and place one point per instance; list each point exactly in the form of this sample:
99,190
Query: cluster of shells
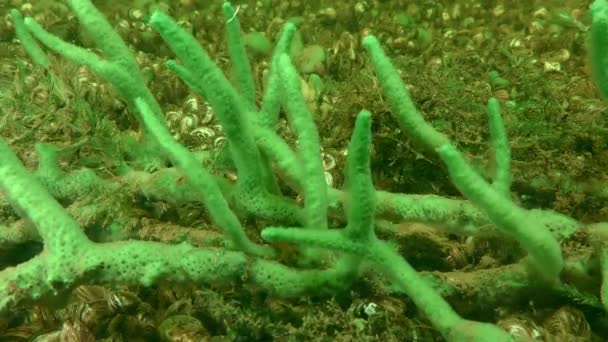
121,314
194,125
565,324
134,29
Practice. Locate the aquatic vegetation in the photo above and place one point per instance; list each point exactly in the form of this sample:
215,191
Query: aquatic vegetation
255,174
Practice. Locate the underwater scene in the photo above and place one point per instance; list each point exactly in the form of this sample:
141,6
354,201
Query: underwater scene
292,171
